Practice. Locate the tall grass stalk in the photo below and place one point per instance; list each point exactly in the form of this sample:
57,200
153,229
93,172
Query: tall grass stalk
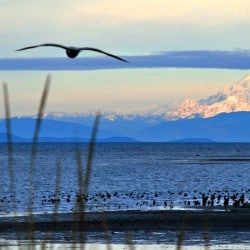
206,233
181,236
84,179
106,231
129,240
56,204
10,149
57,190
34,150
88,174
9,143
91,152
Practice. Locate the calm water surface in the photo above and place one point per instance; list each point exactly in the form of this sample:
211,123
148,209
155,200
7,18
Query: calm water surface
123,176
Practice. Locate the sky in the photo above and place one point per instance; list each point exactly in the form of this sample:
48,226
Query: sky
177,50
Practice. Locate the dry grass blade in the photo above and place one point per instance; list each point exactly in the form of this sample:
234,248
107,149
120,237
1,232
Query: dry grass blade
79,172
181,236
33,151
83,185
128,240
87,178
106,231
38,126
10,147
91,152
206,234
47,237
9,140
79,206
57,190
41,109
88,173
7,113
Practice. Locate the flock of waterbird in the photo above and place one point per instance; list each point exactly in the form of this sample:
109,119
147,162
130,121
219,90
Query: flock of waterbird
134,200
156,200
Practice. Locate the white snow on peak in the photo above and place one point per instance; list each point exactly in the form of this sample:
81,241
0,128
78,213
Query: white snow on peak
232,99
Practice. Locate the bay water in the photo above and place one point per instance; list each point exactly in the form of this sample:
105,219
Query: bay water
125,176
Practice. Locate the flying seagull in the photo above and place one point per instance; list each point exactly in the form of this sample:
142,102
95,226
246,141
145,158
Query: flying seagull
73,52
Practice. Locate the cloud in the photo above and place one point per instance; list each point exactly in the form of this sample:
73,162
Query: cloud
192,11
238,59
130,26
205,11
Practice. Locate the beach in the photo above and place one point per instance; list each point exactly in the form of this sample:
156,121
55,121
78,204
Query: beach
135,247
122,229
196,219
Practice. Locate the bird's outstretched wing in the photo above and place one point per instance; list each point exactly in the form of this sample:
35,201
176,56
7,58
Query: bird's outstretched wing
44,44
103,52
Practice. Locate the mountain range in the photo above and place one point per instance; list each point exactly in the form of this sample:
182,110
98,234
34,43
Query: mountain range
232,99
224,116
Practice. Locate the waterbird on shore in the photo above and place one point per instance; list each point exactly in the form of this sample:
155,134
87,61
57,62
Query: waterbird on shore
73,52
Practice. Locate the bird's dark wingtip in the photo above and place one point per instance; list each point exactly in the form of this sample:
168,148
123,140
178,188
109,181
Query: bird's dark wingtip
19,49
124,60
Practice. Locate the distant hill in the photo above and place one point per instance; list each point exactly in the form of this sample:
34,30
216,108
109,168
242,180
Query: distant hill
14,138
234,126
126,125
203,140
53,130
118,139
224,127
3,139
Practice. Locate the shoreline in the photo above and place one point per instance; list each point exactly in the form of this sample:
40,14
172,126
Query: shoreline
136,247
196,219
97,246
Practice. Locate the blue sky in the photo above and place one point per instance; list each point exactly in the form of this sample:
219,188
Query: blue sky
177,49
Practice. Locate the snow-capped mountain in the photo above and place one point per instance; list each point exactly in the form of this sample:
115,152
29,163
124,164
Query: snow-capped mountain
233,99
224,116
